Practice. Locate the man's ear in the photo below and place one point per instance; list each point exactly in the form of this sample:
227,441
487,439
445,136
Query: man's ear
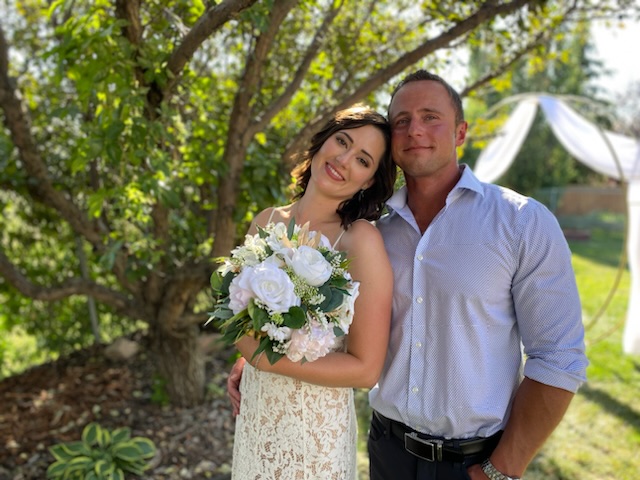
461,133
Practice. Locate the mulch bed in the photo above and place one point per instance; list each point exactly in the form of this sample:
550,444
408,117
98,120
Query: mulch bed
52,403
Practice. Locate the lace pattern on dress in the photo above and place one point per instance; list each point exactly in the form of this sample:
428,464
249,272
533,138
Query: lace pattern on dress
293,430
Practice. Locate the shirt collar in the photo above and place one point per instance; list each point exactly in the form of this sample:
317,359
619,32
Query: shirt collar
468,181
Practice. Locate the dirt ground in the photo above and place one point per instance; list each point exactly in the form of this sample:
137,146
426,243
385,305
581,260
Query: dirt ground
52,403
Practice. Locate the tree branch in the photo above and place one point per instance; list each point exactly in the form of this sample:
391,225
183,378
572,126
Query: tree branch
184,285
238,135
298,77
129,10
208,23
253,69
123,304
538,40
485,13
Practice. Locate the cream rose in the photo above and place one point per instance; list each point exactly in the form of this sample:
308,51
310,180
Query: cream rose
346,310
310,265
273,287
240,291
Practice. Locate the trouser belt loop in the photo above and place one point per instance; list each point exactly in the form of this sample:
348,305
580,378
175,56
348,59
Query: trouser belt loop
386,424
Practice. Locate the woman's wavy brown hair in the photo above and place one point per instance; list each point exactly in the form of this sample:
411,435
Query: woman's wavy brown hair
367,204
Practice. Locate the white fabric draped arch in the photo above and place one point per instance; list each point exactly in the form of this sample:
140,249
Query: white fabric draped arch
593,147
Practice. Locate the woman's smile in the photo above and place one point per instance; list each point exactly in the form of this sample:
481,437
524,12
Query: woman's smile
333,172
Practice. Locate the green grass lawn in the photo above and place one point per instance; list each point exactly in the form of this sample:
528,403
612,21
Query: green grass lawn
599,438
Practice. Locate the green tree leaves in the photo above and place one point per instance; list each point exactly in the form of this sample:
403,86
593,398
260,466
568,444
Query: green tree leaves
146,135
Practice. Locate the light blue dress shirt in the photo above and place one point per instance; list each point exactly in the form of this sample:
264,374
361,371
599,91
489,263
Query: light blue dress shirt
485,295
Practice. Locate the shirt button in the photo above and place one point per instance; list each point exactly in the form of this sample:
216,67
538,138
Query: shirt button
415,389
418,344
420,257
419,299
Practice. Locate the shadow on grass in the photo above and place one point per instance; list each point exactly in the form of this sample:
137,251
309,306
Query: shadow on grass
604,232
603,246
630,416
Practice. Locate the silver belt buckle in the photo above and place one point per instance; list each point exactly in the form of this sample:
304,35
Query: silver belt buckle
412,438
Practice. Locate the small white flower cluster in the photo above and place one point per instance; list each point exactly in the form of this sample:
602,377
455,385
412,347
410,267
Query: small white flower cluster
281,269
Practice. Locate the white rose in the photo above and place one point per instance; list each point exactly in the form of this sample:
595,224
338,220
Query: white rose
273,287
310,265
346,310
240,291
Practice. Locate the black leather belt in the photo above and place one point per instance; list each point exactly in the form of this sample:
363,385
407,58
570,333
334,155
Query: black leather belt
435,449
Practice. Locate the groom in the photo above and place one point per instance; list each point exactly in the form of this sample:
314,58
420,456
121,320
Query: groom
479,271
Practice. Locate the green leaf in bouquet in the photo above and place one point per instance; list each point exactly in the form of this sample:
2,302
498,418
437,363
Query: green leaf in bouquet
222,312
328,255
262,232
229,337
272,356
216,280
226,281
258,316
332,298
266,347
338,281
294,318
291,228
337,331
264,343
234,328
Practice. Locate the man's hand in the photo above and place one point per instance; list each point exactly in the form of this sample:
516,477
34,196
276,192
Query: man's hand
475,472
233,384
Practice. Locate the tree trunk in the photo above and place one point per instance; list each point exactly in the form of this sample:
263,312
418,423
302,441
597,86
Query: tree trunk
180,363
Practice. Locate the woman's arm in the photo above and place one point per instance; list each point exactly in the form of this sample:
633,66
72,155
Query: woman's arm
361,364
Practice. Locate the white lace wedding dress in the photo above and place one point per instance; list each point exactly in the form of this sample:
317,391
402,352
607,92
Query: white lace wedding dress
292,430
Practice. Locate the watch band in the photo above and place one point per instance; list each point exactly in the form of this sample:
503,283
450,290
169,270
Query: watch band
493,473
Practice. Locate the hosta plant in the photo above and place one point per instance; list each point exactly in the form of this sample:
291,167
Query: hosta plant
101,455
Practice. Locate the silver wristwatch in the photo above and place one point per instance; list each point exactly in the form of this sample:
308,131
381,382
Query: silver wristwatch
493,473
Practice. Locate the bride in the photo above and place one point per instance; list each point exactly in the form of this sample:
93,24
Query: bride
297,420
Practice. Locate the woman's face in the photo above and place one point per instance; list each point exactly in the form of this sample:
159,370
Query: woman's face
348,160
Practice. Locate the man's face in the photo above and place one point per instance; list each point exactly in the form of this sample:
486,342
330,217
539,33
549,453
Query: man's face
424,130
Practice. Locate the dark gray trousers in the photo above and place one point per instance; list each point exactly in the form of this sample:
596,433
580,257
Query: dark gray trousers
388,459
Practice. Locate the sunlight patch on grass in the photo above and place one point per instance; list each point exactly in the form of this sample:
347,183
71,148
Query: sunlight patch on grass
19,352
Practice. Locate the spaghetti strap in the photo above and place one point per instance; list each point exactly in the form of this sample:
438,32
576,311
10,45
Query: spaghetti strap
271,216
338,239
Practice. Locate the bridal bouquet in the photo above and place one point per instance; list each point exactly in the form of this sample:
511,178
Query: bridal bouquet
285,288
